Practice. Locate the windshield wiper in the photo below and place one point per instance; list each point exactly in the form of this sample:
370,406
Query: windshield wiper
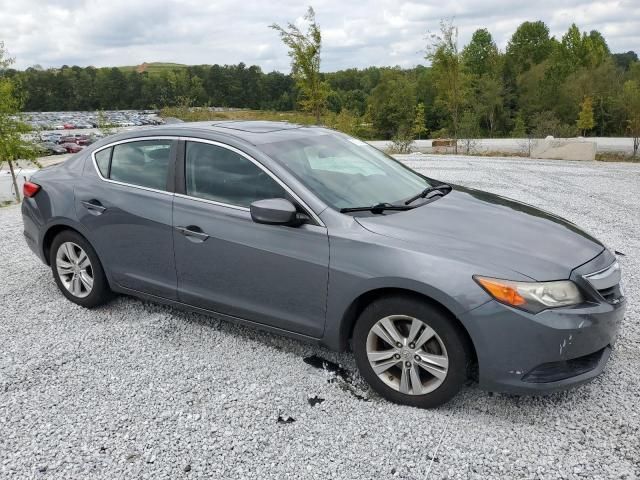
443,188
379,208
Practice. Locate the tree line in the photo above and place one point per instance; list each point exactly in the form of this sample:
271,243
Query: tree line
538,85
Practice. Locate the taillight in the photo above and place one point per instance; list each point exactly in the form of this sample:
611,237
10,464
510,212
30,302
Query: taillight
29,189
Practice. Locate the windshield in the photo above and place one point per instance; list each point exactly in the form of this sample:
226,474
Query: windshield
345,172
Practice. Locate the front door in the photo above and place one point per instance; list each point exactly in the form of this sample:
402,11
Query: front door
275,275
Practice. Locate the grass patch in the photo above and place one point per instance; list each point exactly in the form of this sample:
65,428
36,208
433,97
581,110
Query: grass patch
616,157
153,67
204,114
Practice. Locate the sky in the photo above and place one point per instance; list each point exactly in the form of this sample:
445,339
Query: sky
355,33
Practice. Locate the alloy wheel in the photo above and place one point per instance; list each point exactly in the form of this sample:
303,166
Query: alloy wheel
407,355
74,269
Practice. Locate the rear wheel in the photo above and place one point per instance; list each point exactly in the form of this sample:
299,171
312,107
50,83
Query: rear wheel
77,270
410,352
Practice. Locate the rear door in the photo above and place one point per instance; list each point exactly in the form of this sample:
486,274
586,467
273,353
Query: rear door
276,275
125,203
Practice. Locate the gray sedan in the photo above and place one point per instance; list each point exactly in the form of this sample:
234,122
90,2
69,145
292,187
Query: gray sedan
314,234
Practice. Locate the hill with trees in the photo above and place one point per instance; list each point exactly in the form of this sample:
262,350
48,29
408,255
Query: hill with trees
539,85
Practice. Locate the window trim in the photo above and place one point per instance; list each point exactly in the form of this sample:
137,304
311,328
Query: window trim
170,171
182,161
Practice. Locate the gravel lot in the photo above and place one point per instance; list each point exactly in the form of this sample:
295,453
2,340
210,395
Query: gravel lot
139,390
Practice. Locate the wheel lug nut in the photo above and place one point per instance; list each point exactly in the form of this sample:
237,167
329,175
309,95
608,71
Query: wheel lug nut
417,358
407,364
399,345
412,345
397,356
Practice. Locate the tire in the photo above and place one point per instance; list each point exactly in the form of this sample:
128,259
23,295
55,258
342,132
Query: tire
72,275
426,375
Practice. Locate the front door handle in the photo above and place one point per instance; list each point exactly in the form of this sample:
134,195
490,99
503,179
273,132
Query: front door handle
94,206
193,233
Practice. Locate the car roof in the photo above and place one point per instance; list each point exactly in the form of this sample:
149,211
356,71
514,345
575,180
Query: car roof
253,131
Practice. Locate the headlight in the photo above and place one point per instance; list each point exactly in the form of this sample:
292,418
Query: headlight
531,296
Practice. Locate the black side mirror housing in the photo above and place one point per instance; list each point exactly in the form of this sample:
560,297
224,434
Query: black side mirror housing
275,211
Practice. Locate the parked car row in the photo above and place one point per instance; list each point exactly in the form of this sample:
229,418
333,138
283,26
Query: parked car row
55,143
85,120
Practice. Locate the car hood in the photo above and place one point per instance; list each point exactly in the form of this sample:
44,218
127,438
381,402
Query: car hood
486,229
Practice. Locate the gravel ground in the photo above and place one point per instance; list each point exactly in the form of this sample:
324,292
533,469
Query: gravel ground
139,390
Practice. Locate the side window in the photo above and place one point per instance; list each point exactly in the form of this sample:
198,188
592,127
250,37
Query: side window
144,163
103,157
216,173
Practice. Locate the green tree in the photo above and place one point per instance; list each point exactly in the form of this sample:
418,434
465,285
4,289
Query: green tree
529,45
419,122
449,76
13,147
631,102
469,131
103,124
391,105
304,50
582,49
481,54
519,127
585,120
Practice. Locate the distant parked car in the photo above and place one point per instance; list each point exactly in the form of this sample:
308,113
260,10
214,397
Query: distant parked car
82,140
71,147
67,139
50,137
68,126
50,148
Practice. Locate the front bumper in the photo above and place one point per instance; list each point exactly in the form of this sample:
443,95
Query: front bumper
523,353
517,349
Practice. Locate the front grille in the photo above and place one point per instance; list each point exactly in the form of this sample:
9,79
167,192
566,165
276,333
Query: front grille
555,371
611,294
607,283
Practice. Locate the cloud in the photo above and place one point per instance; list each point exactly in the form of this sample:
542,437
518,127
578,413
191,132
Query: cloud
356,34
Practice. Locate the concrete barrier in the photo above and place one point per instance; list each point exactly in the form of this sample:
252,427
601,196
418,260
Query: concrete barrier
564,149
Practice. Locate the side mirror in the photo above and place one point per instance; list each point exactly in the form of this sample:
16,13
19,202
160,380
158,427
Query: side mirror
275,211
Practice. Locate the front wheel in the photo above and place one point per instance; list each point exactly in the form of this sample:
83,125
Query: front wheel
410,352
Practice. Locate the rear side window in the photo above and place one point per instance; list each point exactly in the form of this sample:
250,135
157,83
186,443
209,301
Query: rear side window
219,174
144,163
103,157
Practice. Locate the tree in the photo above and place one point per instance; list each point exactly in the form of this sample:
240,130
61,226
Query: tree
631,102
624,60
103,124
469,131
530,45
582,50
585,120
419,122
304,50
519,127
391,106
450,79
481,54
12,145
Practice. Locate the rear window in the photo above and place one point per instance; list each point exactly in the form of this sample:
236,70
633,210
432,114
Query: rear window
103,157
144,163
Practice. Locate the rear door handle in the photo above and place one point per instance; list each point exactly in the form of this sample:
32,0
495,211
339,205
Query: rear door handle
193,233
94,206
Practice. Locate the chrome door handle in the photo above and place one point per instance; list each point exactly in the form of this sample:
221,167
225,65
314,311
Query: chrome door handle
94,206
193,233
